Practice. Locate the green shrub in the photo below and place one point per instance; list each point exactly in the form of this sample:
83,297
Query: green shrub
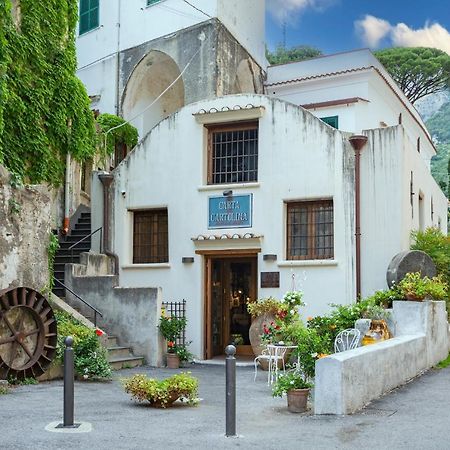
413,284
22,382
262,306
90,357
4,390
162,392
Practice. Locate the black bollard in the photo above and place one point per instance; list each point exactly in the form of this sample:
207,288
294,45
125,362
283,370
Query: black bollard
68,383
230,367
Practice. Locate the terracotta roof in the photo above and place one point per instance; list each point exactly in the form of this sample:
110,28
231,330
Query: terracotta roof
320,75
341,101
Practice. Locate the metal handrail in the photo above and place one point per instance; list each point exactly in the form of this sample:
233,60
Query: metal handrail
96,311
83,239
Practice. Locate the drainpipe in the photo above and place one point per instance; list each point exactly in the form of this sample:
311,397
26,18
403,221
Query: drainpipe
65,229
358,142
106,180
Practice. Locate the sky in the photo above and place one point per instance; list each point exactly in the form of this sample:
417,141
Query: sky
340,25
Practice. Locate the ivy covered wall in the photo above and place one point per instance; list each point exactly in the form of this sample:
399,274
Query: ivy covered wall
44,107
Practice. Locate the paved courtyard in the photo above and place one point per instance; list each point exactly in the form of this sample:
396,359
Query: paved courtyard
415,416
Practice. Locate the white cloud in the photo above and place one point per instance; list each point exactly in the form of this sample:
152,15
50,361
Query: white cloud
435,36
287,10
372,30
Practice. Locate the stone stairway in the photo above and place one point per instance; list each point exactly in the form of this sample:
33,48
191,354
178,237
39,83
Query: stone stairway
64,255
121,357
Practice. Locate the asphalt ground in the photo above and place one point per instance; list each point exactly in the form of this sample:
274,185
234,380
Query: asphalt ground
414,416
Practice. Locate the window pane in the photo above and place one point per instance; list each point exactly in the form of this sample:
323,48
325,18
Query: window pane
150,237
310,230
234,155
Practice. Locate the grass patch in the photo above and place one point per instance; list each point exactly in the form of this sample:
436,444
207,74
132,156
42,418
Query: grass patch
444,363
22,382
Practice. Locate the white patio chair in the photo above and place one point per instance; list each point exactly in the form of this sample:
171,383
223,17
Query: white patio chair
346,340
273,354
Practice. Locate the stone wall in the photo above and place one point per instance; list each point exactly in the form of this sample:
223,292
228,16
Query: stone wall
345,382
25,223
131,314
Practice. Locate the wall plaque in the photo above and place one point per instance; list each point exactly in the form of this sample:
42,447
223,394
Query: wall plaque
230,212
270,279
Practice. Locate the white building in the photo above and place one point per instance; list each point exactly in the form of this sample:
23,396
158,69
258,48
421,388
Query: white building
237,195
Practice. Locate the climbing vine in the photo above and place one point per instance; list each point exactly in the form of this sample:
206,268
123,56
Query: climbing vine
53,246
108,133
44,107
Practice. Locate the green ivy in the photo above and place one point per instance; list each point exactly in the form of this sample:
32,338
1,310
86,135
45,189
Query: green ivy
52,248
44,107
126,134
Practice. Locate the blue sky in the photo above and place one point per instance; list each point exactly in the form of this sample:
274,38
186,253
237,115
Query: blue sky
340,25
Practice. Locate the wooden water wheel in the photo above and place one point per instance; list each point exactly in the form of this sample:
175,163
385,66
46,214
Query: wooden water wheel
27,333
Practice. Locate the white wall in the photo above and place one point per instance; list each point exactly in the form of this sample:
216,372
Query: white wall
299,158
141,23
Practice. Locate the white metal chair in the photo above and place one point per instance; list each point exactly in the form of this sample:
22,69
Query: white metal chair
346,340
274,355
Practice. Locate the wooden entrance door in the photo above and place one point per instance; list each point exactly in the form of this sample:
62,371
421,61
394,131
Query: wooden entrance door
231,284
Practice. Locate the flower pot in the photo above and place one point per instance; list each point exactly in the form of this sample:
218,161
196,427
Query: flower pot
414,297
297,400
255,332
173,361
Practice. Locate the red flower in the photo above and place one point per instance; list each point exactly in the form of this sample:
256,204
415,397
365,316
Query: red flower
99,332
170,344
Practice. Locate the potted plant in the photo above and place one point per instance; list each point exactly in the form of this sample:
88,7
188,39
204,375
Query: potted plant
297,389
171,328
162,393
416,288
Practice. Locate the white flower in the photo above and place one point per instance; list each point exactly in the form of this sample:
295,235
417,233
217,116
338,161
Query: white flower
292,311
314,355
292,382
85,376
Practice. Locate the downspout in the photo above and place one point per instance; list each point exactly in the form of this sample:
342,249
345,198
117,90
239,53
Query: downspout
106,180
358,142
65,229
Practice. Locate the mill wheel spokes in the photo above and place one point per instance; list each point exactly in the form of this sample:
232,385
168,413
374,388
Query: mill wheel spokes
27,333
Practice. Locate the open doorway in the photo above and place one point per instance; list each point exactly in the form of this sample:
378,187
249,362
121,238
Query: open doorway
231,284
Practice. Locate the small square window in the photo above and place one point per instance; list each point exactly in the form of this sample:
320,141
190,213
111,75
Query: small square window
150,236
233,153
310,233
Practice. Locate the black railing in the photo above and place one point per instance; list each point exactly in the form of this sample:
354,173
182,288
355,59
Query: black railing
96,311
178,310
83,239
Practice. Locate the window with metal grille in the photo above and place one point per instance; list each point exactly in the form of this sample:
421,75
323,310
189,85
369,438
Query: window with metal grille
310,230
89,15
150,237
233,153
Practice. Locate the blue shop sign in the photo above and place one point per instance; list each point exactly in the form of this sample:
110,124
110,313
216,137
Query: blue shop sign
230,212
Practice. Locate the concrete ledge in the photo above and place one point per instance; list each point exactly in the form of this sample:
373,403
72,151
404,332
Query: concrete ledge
347,381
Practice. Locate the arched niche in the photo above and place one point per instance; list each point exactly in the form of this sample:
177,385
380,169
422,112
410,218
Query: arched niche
155,72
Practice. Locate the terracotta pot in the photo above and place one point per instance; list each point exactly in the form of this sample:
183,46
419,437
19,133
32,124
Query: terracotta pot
173,361
414,298
173,396
255,332
297,400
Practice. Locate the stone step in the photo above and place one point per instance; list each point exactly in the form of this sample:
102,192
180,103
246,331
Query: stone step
112,341
84,220
118,352
83,226
126,363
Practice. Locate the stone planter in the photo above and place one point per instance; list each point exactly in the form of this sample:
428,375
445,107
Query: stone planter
297,400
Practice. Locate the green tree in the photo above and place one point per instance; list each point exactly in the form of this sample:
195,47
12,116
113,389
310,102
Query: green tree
44,108
418,71
284,55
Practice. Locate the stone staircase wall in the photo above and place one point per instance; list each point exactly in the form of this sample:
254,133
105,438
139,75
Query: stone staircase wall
130,314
